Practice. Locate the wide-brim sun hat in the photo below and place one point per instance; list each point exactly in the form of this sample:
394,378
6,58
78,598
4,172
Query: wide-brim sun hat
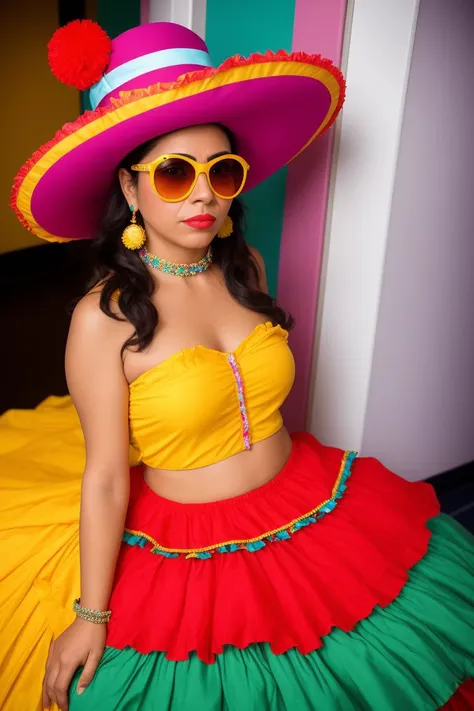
149,81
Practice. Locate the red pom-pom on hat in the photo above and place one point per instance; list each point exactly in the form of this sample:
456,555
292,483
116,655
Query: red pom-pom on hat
79,53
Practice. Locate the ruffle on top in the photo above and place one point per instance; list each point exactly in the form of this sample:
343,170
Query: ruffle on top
290,591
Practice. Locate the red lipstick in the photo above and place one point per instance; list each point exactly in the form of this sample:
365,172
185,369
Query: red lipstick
201,222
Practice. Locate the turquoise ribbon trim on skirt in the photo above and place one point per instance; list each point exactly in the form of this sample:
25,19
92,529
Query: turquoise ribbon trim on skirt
133,539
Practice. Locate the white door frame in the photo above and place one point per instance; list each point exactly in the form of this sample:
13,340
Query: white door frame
190,13
378,55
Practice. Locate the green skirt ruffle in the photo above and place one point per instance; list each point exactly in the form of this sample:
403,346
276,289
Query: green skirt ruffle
410,656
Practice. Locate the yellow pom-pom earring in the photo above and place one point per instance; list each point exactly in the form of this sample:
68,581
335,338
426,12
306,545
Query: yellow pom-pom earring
226,229
133,236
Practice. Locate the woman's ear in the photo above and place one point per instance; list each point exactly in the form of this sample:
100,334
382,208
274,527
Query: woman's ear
129,187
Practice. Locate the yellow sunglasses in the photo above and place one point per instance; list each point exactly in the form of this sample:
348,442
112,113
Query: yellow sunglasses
173,177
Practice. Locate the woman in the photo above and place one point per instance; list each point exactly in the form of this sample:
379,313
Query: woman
235,567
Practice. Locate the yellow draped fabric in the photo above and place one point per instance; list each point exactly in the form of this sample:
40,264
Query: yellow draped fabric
42,458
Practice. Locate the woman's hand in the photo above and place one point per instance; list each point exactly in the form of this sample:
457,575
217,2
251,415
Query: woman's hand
82,644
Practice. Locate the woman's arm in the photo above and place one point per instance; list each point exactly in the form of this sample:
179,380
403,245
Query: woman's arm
100,394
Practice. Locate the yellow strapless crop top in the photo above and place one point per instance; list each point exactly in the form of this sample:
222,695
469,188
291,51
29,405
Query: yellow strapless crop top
201,406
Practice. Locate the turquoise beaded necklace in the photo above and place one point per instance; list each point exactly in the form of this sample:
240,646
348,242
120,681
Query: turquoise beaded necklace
183,270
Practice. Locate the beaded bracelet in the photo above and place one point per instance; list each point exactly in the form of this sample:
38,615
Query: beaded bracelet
95,616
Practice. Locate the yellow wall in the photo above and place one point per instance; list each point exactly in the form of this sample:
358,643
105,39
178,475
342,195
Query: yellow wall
34,103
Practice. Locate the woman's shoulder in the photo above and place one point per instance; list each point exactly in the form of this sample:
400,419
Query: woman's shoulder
89,318
93,356
94,338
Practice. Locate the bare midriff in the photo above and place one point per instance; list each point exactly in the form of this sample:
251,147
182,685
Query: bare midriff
231,477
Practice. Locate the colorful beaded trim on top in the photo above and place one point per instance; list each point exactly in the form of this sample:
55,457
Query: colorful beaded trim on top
242,406
183,270
138,538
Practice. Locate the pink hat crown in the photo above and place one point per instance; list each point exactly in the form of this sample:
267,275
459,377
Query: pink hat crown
149,54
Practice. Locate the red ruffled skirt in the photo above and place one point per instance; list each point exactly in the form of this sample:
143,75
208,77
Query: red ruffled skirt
361,559
331,541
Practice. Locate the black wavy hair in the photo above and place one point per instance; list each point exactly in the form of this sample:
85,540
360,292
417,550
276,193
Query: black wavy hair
116,267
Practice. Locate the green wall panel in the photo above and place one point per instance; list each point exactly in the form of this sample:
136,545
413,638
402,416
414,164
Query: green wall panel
243,27
116,16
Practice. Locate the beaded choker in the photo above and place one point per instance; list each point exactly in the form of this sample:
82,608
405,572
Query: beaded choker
183,270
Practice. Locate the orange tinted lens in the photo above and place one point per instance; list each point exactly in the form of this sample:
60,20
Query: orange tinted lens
226,177
173,178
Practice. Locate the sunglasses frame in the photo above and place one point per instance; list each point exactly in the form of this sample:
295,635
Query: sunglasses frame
199,168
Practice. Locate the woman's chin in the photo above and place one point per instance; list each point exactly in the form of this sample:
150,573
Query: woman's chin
198,239
192,240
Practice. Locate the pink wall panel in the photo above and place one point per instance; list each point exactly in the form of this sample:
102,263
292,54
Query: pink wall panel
319,29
